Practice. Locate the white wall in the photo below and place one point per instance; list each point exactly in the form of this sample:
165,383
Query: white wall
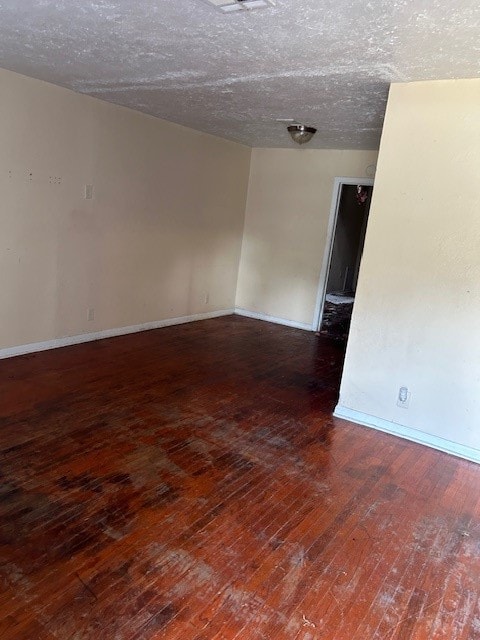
162,232
417,310
288,206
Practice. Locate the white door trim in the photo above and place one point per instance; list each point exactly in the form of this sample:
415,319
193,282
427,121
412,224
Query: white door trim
327,256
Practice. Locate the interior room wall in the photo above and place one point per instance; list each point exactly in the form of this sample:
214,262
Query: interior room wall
288,208
161,237
417,310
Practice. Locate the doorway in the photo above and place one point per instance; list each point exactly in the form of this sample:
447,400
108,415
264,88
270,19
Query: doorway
348,224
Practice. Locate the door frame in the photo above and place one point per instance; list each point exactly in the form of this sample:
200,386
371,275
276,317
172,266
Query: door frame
338,183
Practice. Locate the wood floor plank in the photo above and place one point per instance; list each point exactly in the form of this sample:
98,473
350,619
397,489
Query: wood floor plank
190,483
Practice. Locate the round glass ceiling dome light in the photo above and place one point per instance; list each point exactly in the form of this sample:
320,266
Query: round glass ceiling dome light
300,133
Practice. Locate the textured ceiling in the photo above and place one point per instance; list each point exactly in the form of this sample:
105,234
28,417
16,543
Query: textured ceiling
325,63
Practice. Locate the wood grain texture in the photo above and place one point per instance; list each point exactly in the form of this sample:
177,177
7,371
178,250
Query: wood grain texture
191,483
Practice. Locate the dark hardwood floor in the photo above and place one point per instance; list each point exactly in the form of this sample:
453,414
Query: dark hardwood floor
190,483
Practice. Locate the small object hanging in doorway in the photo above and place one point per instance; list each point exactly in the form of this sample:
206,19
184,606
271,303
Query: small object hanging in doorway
362,194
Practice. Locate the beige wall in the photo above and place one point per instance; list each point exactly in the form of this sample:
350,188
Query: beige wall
417,311
288,207
162,232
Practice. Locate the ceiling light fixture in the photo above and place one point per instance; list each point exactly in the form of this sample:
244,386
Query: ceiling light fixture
300,133
227,6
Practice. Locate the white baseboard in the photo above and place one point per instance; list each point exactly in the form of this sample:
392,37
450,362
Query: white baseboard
263,316
420,437
107,333
66,341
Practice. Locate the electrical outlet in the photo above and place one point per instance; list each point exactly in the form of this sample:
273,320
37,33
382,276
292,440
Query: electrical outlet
91,315
403,399
88,191
207,298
